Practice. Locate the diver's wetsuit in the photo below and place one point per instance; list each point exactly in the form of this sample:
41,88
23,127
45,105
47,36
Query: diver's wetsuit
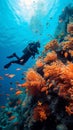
29,51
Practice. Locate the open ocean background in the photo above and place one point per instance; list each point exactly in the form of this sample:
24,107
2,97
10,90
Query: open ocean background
22,22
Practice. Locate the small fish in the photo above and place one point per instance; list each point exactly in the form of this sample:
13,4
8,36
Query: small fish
17,89
16,123
9,112
19,85
7,95
65,54
1,78
44,89
11,75
12,117
11,89
24,84
46,92
39,103
18,92
18,69
2,107
7,74
21,60
50,85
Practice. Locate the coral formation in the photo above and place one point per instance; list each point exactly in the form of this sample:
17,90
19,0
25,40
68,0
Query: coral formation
51,56
52,45
34,82
41,112
70,28
52,82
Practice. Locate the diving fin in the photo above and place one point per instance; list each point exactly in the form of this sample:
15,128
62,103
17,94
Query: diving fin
11,56
7,66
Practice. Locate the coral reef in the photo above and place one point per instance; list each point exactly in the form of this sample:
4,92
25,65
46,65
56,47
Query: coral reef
51,86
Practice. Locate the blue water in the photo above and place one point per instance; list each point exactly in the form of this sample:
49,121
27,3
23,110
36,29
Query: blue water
22,22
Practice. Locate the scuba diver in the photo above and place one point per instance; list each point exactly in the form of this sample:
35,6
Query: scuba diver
29,51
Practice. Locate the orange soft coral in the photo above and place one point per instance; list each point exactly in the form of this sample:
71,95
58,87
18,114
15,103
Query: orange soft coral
41,112
70,28
34,82
62,75
67,71
67,45
71,53
57,76
68,38
51,56
39,63
69,109
66,76
52,70
52,45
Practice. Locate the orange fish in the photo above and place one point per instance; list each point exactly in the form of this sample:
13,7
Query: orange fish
65,54
24,84
3,107
44,89
12,117
46,92
8,113
18,92
50,85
